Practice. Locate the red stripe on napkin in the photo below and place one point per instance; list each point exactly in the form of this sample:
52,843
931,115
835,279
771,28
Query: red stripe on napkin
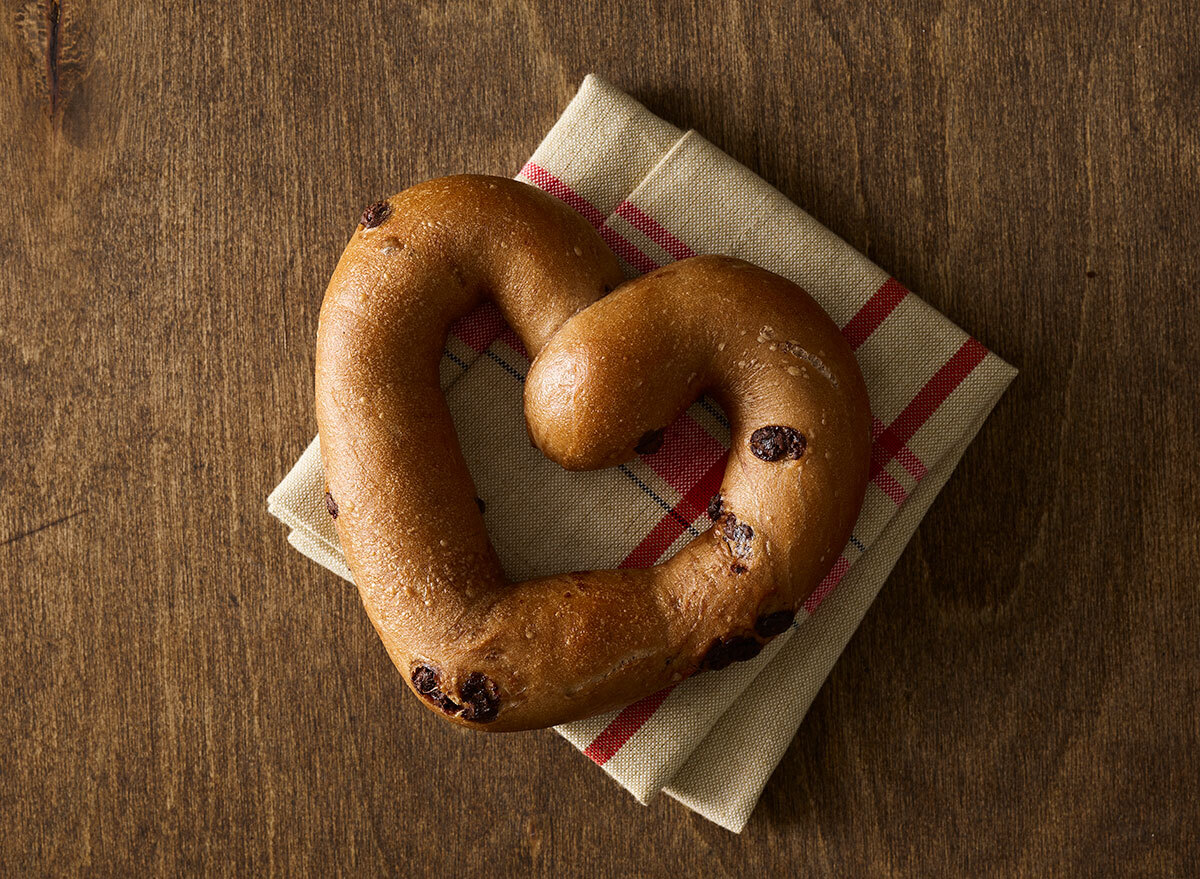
670,526
480,328
687,452
940,386
873,312
888,484
839,569
652,230
547,182
904,454
544,180
623,726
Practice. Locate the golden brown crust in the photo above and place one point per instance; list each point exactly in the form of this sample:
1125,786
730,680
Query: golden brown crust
609,370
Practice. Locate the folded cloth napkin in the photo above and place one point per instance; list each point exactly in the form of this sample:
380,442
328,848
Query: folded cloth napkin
658,194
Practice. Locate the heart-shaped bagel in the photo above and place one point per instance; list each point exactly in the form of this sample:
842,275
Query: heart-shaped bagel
614,363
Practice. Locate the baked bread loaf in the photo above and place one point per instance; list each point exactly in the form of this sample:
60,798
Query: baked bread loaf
614,363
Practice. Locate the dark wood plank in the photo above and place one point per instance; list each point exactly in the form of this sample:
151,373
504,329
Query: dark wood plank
184,693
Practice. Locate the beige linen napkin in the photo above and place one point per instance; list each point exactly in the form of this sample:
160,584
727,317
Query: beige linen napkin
657,194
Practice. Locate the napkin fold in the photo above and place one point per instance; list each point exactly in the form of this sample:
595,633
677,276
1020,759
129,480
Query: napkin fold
658,194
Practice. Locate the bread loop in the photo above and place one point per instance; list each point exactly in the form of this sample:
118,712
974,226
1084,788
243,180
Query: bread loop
611,370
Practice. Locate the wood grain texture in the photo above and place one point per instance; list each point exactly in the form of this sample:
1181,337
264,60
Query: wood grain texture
184,694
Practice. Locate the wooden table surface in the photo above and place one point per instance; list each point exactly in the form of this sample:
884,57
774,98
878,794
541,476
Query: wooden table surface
185,694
